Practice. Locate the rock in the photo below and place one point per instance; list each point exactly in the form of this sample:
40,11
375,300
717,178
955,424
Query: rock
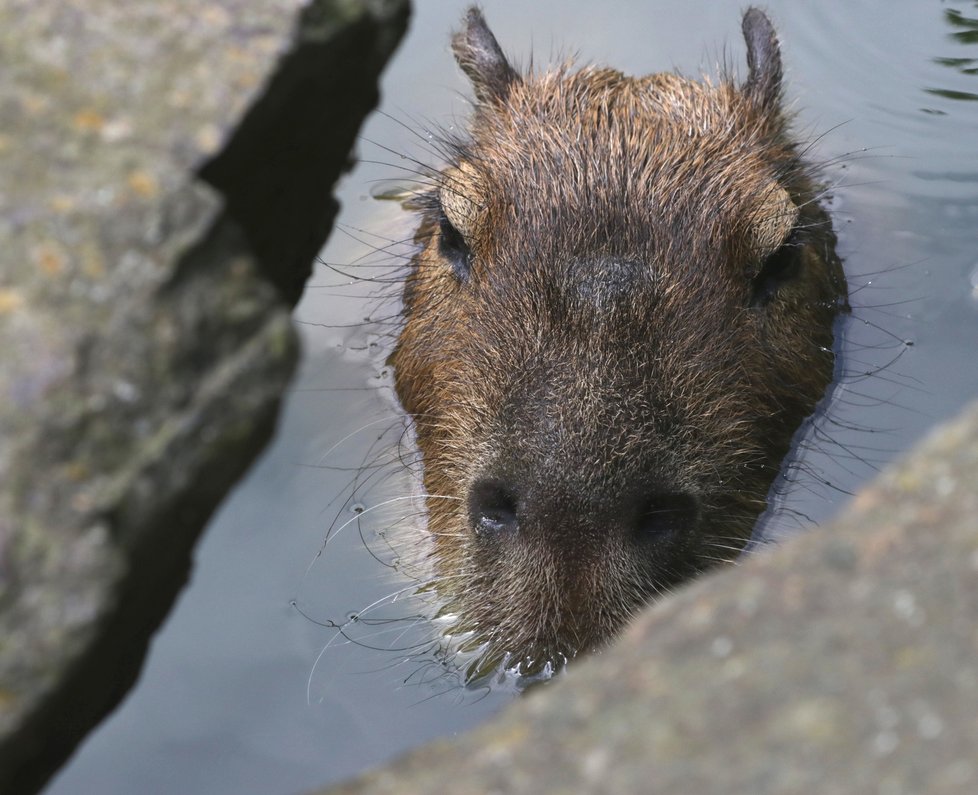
162,201
844,662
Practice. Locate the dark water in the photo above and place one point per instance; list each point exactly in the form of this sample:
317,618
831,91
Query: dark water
246,690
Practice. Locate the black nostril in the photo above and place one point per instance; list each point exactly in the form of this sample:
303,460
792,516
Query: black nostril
666,517
492,508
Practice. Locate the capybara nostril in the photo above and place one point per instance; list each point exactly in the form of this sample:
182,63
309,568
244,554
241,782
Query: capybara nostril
492,510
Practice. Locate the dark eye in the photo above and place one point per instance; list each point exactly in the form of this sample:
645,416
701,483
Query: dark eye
452,246
777,269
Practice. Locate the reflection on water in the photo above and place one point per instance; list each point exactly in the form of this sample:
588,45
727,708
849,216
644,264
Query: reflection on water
965,32
966,27
251,687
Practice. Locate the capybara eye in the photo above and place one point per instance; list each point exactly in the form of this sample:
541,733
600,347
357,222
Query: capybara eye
452,246
777,269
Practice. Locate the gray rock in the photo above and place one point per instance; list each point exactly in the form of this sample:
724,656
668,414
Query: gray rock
844,662
161,202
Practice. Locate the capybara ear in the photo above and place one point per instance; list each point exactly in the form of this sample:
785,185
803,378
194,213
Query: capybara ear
480,57
763,85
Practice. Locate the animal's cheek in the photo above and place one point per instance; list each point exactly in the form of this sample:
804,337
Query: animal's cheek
798,321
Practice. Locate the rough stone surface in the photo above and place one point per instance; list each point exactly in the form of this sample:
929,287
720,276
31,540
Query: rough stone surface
844,662
165,170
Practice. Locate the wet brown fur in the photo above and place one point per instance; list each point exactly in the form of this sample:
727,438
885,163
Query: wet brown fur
604,334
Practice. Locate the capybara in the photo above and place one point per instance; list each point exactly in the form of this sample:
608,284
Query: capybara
620,311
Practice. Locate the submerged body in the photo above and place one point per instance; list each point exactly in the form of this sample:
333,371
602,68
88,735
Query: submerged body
620,311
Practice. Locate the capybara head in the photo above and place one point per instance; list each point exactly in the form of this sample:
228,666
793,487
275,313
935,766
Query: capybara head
619,313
